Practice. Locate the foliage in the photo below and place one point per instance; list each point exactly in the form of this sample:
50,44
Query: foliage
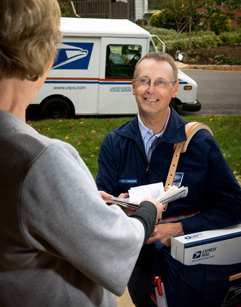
230,38
155,20
86,135
222,60
174,15
66,10
206,41
163,19
200,39
182,15
210,10
161,32
233,4
185,15
219,23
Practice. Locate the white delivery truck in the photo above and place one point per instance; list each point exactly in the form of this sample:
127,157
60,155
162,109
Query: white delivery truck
93,72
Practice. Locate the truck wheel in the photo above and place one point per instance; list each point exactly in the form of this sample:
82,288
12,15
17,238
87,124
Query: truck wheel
194,107
174,104
56,108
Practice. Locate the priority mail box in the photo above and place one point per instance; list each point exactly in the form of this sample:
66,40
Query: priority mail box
221,246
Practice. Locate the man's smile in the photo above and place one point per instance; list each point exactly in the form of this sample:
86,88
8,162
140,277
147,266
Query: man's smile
151,100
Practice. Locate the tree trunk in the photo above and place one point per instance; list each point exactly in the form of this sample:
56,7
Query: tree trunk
190,25
190,34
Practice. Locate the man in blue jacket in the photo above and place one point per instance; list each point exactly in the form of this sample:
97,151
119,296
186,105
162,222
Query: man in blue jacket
140,152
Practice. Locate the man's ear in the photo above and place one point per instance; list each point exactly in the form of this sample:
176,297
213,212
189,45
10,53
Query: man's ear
133,87
176,86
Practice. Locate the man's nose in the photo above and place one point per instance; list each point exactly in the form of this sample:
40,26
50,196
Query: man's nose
151,86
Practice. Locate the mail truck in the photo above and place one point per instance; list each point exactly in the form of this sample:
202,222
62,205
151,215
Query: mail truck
92,74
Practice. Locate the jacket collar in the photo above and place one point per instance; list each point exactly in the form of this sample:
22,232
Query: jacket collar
175,131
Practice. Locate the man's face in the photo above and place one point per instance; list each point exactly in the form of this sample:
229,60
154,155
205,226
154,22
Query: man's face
154,99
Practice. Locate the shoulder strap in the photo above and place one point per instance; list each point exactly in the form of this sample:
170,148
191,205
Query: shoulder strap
191,129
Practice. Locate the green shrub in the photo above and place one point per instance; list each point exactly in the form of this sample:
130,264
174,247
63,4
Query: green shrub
166,19
155,20
178,44
161,31
207,41
201,39
226,39
220,23
222,59
230,38
204,34
197,42
162,20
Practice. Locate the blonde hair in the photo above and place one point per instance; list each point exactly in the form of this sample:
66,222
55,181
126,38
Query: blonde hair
29,36
159,57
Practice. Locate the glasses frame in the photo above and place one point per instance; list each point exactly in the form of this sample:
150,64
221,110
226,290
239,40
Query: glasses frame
163,85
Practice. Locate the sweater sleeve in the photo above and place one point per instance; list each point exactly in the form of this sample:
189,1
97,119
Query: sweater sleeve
146,214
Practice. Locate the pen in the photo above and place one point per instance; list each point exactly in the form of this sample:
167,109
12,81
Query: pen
160,292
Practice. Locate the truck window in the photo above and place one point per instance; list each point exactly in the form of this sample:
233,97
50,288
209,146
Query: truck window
121,60
152,47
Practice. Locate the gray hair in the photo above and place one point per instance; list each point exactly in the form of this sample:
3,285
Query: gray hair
159,57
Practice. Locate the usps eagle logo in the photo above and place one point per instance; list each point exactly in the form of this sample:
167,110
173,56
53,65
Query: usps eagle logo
196,255
73,56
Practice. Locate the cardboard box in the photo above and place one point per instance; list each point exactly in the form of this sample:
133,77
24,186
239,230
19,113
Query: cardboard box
221,246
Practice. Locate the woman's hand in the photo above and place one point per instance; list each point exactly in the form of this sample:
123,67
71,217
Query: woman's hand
103,194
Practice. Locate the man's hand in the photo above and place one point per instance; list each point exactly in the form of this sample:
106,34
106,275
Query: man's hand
164,232
123,195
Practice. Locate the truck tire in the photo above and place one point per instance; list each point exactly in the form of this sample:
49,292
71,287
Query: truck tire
192,107
173,103
56,108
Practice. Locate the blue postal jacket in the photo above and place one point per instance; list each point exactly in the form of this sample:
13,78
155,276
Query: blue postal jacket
214,197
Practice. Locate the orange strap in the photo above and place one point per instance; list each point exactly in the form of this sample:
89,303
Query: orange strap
191,129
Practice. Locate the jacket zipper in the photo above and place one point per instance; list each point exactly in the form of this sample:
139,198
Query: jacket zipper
144,157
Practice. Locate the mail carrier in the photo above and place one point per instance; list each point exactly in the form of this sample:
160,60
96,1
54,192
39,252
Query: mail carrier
93,72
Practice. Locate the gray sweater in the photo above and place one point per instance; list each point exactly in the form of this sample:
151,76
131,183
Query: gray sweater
60,244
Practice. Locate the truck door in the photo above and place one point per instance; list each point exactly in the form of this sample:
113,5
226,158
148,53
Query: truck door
119,57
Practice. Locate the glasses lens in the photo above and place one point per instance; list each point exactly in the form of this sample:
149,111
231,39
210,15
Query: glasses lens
143,82
161,83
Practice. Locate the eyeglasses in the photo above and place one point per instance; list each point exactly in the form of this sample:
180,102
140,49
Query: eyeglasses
145,83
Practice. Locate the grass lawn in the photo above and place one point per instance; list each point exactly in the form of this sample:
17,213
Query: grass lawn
87,133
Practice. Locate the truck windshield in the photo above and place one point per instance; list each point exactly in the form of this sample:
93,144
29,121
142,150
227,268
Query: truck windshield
121,60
